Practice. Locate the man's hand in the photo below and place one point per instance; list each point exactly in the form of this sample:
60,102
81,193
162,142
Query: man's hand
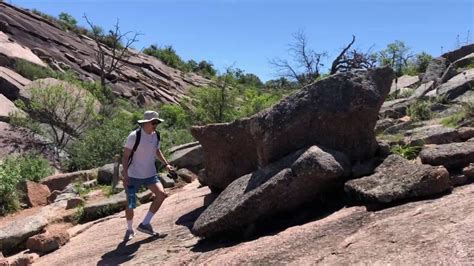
126,180
169,167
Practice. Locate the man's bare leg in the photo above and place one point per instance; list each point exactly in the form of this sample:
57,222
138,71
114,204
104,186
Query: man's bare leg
160,196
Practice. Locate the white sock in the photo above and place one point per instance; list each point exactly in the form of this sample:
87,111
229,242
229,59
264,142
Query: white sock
148,217
129,225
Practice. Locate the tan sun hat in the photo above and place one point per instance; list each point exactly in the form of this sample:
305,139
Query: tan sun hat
149,116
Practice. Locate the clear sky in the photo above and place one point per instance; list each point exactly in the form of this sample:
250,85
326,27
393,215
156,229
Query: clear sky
247,34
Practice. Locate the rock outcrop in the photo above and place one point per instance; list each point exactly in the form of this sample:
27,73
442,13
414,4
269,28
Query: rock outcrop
143,79
397,179
338,112
281,186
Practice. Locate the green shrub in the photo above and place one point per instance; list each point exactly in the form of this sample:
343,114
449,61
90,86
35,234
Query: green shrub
420,110
15,170
255,101
453,120
98,145
400,95
174,116
406,151
81,189
32,71
167,55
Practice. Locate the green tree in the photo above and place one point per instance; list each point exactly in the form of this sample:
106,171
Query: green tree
215,104
396,55
68,21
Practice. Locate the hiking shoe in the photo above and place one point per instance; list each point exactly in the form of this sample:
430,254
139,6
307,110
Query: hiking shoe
129,234
147,229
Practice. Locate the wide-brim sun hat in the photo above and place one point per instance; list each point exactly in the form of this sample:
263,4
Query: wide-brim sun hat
149,116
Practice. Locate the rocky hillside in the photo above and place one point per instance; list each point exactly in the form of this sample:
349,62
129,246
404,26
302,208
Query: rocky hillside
360,167
324,176
25,35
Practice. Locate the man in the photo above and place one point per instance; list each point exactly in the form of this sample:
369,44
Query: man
139,169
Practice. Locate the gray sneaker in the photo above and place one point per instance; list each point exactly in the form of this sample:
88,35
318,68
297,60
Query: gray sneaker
129,234
147,229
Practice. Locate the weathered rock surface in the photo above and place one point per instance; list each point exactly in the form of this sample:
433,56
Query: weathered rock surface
12,84
457,85
189,156
12,49
405,81
186,175
37,194
453,155
281,186
18,231
398,179
106,173
7,107
143,79
60,181
304,118
431,134
422,232
48,241
435,70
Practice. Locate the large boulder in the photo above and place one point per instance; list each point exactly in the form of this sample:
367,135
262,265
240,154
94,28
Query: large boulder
61,181
457,85
281,186
457,54
431,134
339,112
16,232
398,179
106,173
435,70
188,156
405,81
48,241
37,194
452,155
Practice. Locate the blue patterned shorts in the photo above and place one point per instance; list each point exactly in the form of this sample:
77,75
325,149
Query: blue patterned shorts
134,185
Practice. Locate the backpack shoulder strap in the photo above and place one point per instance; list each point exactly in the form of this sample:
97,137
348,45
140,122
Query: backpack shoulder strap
138,135
158,135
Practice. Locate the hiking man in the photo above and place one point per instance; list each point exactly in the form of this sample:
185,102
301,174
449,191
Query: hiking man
139,169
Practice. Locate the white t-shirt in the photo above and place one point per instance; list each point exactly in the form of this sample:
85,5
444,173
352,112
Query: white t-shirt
143,163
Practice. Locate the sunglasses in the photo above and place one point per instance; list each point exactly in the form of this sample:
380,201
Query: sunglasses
155,123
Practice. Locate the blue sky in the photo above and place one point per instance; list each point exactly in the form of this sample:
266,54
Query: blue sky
247,34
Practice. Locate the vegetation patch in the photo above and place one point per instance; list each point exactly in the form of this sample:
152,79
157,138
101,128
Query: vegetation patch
14,171
407,151
420,110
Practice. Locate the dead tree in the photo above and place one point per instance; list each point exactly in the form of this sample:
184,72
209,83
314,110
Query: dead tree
111,58
352,59
307,61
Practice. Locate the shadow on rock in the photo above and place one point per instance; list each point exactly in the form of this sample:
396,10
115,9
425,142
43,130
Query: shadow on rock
189,218
274,224
123,252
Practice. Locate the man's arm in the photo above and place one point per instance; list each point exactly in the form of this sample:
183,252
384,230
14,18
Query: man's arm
125,160
162,159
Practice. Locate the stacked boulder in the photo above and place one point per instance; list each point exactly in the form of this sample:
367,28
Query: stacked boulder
292,153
